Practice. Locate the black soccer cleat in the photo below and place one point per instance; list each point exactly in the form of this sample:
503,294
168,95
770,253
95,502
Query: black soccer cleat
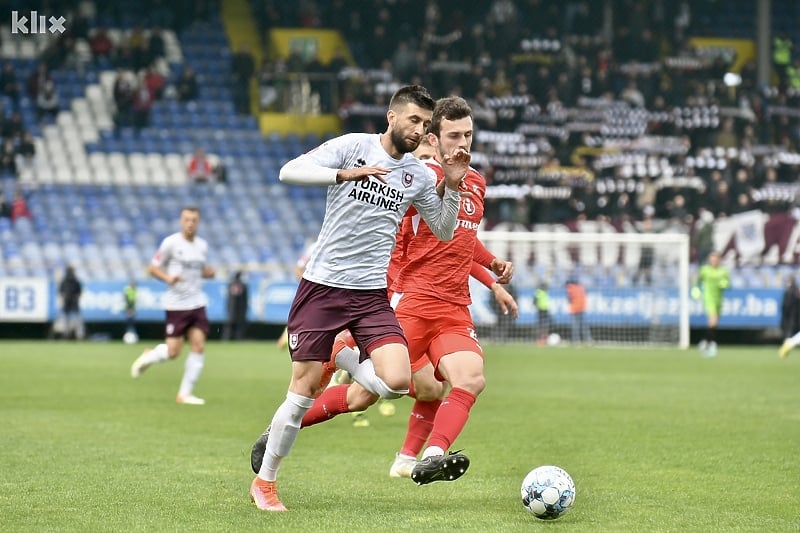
258,451
440,468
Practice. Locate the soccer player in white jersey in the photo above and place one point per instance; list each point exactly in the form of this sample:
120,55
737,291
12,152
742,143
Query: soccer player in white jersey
372,179
180,262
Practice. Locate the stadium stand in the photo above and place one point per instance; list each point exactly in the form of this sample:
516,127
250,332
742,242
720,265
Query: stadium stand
103,195
576,122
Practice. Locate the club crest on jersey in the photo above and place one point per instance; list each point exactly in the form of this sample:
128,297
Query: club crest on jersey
469,205
293,341
408,179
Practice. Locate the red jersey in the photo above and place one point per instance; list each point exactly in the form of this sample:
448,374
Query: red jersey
441,269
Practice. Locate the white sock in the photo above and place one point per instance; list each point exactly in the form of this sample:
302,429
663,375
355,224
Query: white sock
347,359
159,354
283,432
191,371
794,341
364,374
431,451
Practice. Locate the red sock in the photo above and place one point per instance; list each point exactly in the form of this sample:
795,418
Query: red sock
332,402
451,418
420,424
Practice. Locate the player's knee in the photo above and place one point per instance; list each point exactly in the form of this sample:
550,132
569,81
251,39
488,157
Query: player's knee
360,399
391,389
474,383
428,392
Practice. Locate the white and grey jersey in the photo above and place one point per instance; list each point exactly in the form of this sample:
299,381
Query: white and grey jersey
178,256
362,218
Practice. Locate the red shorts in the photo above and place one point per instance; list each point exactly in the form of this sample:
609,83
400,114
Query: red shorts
435,328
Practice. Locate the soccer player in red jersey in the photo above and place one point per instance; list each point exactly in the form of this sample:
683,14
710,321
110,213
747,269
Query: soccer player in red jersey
433,309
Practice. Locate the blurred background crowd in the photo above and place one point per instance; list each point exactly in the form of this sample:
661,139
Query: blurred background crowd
643,114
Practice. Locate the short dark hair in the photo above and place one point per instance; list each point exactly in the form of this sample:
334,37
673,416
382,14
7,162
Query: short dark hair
190,208
449,108
412,94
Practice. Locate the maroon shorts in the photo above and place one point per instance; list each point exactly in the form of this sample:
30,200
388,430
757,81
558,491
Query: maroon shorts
179,322
319,312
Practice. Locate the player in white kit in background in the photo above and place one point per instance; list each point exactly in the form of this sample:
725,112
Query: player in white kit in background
372,179
180,262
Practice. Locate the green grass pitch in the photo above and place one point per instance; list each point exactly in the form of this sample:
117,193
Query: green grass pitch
655,439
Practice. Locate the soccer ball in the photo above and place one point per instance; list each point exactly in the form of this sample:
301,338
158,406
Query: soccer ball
130,337
548,492
553,339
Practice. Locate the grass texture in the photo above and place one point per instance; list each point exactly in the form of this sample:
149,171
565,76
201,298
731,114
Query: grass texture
655,439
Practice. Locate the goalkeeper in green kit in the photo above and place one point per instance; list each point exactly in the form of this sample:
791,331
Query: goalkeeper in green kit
712,280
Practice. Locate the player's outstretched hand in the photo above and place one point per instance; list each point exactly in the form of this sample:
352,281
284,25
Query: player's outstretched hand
455,167
504,270
504,299
361,174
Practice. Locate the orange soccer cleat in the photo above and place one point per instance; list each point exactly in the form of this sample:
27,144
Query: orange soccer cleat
265,495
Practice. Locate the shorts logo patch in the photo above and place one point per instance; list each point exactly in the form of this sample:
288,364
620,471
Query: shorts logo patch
293,341
170,329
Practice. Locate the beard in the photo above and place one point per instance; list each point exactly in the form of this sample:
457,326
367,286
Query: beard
402,144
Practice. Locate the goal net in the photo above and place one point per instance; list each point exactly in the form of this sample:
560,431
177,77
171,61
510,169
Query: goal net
636,288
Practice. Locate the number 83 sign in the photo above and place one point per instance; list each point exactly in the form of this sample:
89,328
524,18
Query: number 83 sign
24,300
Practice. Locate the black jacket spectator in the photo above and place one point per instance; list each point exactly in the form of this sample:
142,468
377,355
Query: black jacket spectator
242,70
13,127
37,80
8,164
187,85
5,206
70,291
156,48
124,92
27,148
790,310
237,309
9,85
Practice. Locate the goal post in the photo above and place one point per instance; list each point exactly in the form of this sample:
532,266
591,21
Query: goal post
636,284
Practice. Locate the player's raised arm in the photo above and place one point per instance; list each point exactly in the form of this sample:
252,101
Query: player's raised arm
303,171
329,164
441,214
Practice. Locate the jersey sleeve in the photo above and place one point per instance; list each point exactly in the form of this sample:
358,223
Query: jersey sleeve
163,254
440,214
480,273
320,165
482,255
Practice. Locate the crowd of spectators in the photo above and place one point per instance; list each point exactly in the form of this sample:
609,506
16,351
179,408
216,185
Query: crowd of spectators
17,147
596,110
578,116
